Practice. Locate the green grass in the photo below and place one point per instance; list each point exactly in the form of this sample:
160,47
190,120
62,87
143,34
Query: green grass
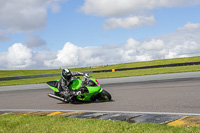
116,74
7,73
28,81
10,73
129,73
152,71
56,124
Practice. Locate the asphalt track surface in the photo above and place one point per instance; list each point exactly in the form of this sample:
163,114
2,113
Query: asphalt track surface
179,95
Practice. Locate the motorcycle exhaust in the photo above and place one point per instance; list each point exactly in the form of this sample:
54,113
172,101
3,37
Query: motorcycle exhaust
57,97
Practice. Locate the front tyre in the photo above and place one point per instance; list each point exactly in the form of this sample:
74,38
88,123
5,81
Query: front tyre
104,96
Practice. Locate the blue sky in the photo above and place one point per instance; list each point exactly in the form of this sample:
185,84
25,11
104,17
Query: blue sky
76,33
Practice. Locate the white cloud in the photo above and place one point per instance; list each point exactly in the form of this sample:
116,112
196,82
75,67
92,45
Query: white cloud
68,56
185,49
72,55
128,22
25,15
34,41
189,32
118,10
190,27
40,57
19,56
153,45
172,45
110,8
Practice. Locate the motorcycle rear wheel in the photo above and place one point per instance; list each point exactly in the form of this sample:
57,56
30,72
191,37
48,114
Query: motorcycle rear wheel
104,96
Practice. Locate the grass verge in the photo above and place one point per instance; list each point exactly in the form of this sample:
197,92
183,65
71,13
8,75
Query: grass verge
54,124
129,73
116,74
8,73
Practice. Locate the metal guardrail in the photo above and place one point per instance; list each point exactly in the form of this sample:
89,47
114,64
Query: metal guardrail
110,70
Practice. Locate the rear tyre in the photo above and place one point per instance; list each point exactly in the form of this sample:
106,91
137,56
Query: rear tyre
104,96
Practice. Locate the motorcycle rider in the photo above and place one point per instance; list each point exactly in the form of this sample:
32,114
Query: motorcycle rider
66,77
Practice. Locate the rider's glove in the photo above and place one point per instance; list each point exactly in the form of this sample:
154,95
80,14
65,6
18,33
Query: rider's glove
79,73
86,74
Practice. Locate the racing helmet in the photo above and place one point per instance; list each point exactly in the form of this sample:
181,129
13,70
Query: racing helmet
66,74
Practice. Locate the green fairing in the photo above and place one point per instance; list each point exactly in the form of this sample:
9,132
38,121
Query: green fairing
75,84
51,86
93,90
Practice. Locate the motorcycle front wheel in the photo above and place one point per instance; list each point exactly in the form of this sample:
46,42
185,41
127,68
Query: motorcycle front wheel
104,96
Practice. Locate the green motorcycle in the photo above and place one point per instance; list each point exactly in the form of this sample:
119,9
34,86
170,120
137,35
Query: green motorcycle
90,90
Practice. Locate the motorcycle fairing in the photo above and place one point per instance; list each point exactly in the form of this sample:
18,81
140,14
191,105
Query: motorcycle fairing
53,85
93,88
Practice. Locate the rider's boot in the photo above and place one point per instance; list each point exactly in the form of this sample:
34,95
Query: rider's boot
66,96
